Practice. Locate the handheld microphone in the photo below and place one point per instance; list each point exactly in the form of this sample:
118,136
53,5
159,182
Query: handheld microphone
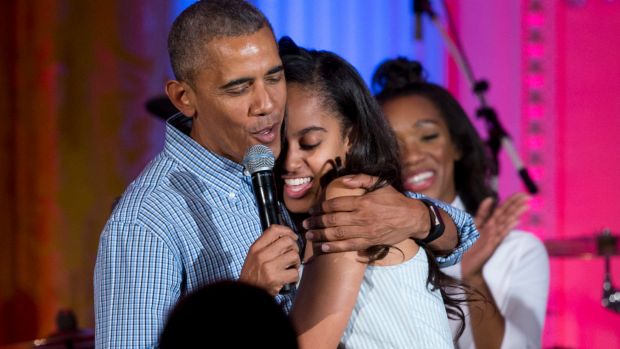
259,162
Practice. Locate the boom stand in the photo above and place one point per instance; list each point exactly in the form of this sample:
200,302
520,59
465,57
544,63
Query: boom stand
498,137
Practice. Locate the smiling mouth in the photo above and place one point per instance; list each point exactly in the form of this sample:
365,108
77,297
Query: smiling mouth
297,187
420,181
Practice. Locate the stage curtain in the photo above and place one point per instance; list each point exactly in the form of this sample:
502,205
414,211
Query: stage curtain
74,132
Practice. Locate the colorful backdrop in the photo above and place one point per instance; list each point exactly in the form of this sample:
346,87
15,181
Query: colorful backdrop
75,76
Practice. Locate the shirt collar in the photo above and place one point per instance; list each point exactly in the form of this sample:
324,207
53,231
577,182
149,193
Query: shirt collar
458,203
220,172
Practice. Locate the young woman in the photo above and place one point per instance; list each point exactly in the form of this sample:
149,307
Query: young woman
444,158
391,296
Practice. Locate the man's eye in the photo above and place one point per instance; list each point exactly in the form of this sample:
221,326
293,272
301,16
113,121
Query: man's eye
274,78
237,90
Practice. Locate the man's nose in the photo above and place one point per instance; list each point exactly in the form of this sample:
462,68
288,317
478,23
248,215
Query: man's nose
263,101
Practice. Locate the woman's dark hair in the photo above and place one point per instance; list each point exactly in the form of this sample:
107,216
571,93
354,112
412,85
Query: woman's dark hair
373,149
401,77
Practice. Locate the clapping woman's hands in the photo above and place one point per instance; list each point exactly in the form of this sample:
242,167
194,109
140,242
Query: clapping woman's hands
493,227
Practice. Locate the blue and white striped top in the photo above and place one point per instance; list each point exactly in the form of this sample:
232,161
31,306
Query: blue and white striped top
187,220
395,309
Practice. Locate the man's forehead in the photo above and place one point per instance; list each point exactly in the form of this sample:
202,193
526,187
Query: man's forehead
254,50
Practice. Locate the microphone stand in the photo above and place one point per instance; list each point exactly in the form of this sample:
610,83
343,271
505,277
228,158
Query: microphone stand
498,137
607,246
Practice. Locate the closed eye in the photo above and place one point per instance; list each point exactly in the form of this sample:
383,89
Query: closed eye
237,91
430,137
274,78
309,146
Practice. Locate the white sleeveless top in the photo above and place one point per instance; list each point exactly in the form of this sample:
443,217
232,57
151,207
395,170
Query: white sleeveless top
395,309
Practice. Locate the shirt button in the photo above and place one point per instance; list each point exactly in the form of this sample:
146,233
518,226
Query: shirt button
231,195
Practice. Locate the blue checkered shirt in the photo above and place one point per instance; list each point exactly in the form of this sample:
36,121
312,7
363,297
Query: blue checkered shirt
188,220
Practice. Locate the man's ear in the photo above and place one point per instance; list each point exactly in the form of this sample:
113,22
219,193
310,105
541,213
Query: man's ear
182,96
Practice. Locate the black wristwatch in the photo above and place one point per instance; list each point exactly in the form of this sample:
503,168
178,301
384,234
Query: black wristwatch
437,226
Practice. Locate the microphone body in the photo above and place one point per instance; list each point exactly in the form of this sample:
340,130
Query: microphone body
259,161
265,192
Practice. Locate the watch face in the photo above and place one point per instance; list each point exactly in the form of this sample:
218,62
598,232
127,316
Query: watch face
436,216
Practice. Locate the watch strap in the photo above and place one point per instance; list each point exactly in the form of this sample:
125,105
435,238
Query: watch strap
437,226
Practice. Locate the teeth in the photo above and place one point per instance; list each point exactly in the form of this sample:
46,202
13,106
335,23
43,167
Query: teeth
297,181
420,177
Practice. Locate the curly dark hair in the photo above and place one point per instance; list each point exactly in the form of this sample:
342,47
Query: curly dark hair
401,77
373,150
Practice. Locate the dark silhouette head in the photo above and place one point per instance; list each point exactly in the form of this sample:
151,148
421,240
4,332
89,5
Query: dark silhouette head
228,314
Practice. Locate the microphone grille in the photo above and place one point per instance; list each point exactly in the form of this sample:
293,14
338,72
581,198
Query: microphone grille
258,158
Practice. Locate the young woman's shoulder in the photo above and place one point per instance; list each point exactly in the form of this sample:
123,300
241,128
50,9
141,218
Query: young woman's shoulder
338,187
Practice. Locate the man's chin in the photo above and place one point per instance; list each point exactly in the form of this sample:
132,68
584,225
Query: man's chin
276,149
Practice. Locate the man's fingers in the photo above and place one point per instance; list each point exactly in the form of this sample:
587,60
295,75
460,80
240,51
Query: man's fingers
287,260
290,260
360,181
345,246
278,265
335,234
290,276
339,204
314,222
273,259
274,242
273,233
316,209
329,220
280,247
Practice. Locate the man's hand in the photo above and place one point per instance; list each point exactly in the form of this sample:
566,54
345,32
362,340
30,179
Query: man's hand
493,228
354,223
273,260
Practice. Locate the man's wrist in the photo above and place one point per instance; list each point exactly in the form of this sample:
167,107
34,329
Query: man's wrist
436,225
422,226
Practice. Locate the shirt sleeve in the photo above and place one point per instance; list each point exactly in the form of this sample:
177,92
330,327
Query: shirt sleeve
526,299
137,280
466,229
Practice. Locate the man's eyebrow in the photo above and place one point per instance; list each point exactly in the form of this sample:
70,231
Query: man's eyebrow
244,80
275,70
236,82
